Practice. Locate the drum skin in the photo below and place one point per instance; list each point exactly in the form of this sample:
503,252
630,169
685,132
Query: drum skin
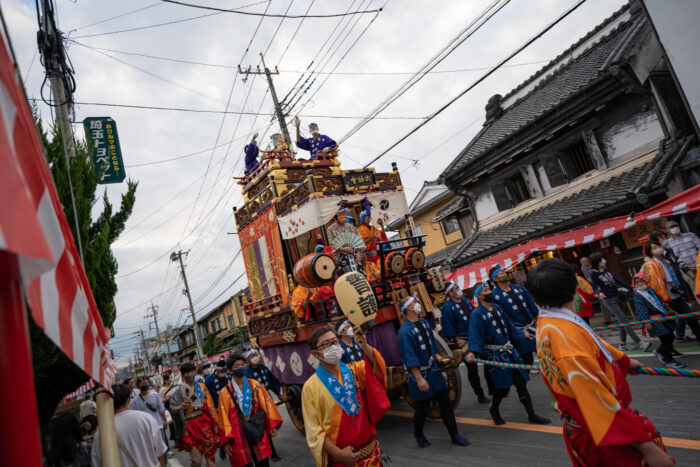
314,270
415,259
394,263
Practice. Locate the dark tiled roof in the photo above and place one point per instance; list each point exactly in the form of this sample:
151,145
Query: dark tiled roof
418,209
565,82
440,256
450,208
575,209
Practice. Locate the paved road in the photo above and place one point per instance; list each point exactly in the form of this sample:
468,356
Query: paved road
670,402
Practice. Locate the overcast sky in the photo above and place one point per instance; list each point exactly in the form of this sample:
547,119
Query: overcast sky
169,214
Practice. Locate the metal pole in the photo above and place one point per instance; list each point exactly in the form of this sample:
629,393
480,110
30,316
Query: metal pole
278,107
154,310
108,431
145,349
178,256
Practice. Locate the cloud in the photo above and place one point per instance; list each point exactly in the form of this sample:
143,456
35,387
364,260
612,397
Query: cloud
404,36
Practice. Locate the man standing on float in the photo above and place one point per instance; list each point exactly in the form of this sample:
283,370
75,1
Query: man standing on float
316,143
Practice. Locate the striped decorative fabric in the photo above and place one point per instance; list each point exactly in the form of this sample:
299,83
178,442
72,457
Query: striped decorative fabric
467,276
33,227
85,387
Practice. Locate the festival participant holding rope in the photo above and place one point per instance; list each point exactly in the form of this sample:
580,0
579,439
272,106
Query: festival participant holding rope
586,375
492,334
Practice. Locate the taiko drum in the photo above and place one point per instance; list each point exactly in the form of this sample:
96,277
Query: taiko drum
314,270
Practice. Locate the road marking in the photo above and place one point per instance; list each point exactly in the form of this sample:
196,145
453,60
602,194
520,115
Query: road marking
554,430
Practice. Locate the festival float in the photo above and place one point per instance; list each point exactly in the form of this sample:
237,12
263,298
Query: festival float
287,206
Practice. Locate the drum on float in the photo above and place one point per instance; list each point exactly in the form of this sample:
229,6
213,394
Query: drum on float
394,263
314,270
414,258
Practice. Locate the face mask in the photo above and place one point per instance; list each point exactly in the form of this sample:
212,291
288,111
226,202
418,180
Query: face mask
459,294
417,308
488,297
351,333
332,354
239,372
314,132
222,380
657,251
675,230
208,371
143,388
255,361
189,378
642,287
603,262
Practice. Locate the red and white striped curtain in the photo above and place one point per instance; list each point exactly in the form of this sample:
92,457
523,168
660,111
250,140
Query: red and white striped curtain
85,387
34,228
468,276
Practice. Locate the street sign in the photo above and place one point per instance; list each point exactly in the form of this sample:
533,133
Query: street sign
103,141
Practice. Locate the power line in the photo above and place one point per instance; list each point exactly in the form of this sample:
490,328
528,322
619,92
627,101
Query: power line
115,17
266,15
475,83
302,72
151,26
474,26
295,32
237,112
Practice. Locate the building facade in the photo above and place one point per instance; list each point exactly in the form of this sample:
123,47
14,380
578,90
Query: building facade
599,132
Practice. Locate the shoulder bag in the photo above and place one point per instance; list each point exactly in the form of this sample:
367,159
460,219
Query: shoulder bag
254,426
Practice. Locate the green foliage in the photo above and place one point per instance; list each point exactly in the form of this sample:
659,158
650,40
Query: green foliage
212,344
55,374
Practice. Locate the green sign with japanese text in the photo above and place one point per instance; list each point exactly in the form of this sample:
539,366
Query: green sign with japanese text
103,141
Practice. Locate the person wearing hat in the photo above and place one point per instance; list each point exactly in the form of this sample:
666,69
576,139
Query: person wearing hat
251,154
262,374
586,376
346,257
420,355
203,371
517,303
456,312
351,351
648,305
217,381
493,337
317,142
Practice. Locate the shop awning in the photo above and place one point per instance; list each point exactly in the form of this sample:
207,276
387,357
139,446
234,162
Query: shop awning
467,276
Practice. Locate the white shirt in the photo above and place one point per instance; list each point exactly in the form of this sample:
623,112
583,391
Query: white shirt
141,436
88,407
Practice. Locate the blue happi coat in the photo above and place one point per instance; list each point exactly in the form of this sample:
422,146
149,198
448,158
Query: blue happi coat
316,145
265,377
501,298
352,353
645,309
416,352
213,386
251,156
455,322
484,331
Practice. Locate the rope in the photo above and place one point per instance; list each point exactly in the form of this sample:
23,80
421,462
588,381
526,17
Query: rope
651,320
646,370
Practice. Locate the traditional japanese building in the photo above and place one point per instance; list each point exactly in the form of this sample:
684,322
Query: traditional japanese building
600,131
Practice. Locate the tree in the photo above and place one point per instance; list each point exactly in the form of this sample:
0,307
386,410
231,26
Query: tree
56,375
212,344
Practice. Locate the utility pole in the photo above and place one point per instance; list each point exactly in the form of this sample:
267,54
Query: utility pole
177,257
145,349
278,108
154,314
54,57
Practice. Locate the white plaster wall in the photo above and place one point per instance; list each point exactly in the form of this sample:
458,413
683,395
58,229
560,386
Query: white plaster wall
628,135
484,203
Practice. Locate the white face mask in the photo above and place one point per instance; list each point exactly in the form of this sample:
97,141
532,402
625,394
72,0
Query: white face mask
314,132
255,360
459,294
208,371
603,262
417,308
332,354
350,333
675,230
642,287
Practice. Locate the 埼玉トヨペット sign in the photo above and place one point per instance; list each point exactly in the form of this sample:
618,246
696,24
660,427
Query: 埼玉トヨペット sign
102,137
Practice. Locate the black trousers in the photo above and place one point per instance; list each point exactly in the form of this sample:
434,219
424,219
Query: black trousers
442,397
666,347
475,381
256,462
680,306
523,394
528,358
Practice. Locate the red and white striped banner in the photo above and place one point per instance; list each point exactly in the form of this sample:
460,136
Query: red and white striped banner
468,276
34,228
85,387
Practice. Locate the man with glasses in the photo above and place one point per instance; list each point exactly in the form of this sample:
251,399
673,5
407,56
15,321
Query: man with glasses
341,403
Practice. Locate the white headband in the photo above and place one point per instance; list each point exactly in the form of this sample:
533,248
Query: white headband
449,287
345,324
249,353
410,300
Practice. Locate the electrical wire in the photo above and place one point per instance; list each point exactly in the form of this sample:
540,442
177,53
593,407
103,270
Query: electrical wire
116,17
266,15
168,23
475,83
473,27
